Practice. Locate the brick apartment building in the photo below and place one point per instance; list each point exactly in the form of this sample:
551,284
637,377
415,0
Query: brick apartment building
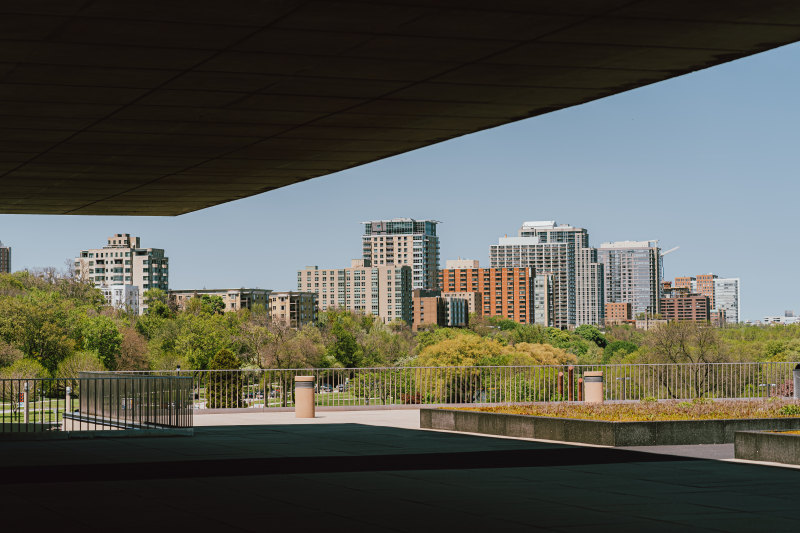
506,292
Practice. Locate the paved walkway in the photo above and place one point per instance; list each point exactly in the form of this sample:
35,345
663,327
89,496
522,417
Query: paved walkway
373,471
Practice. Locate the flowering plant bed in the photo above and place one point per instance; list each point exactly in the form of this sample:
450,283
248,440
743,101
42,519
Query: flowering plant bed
699,409
624,424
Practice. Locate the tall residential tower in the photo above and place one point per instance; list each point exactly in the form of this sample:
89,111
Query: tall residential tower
5,258
404,241
124,262
571,274
633,274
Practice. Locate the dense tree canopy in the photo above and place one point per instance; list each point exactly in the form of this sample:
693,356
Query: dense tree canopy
56,326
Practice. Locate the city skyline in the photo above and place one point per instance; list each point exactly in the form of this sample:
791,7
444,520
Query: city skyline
638,160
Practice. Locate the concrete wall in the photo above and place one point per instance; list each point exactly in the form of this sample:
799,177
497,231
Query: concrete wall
599,432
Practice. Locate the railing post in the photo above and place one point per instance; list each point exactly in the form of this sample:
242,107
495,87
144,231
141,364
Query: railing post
560,385
571,383
25,404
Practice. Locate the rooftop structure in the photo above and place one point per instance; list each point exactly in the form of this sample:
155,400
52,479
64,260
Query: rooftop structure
404,241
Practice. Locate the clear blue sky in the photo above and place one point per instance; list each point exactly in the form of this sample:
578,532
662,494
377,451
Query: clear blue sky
707,162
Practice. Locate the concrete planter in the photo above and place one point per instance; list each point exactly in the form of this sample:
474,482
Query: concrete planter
668,433
767,446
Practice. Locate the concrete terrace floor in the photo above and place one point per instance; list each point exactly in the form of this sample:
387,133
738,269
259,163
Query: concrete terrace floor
376,471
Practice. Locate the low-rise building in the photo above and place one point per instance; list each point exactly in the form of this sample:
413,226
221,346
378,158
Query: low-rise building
456,311
619,313
122,297
682,304
294,309
474,300
432,308
234,299
428,309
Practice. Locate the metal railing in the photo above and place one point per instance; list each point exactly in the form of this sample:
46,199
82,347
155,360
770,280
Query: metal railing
95,401
396,386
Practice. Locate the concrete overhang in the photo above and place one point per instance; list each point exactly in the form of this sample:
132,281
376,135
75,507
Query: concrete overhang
162,107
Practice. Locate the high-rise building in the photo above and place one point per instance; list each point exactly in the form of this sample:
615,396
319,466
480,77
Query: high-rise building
633,274
704,284
380,290
686,282
404,241
5,258
727,298
124,262
543,299
563,252
722,293
294,309
506,292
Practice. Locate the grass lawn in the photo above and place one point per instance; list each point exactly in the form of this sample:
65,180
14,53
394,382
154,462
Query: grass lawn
701,409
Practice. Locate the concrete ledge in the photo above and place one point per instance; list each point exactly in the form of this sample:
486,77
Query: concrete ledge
767,446
667,433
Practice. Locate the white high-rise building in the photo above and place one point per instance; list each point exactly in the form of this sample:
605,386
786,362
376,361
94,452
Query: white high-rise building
124,262
404,241
727,298
633,274
574,277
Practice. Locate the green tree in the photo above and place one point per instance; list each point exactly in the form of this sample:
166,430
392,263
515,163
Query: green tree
101,335
41,324
81,361
591,334
157,303
224,385
212,304
617,350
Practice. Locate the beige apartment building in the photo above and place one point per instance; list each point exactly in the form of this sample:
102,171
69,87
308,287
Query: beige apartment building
234,299
404,241
380,290
123,261
294,309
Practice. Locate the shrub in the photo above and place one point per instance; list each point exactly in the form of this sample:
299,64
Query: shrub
225,389
790,410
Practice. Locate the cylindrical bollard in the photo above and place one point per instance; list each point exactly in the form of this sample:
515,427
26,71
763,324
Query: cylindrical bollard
304,397
68,402
593,386
580,389
560,385
796,376
571,383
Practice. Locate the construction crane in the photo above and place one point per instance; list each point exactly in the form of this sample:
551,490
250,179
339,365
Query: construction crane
669,251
